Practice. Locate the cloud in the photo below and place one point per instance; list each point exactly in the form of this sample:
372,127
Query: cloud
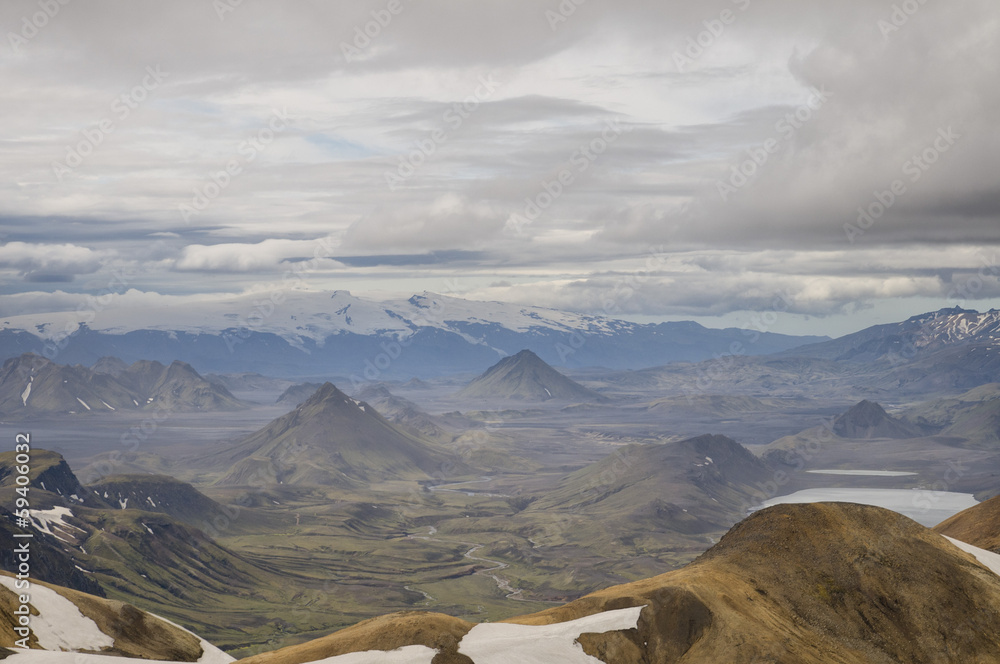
269,255
50,262
887,94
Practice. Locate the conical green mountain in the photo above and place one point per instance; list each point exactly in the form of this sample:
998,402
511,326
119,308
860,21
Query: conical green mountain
330,440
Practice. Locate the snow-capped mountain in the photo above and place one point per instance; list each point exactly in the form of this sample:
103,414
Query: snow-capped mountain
919,334
299,333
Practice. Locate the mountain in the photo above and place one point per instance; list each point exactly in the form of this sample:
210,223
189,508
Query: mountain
331,439
942,351
324,333
32,385
979,525
973,416
405,413
640,510
298,394
177,386
922,334
48,472
49,560
66,620
696,485
792,584
109,365
869,420
526,377
160,494
150,559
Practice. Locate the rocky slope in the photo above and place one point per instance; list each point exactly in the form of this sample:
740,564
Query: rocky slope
824,583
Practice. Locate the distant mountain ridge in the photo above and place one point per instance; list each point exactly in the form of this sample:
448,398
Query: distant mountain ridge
918,334
337,333
32,384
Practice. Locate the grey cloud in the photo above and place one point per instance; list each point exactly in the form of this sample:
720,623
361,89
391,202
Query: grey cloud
350,123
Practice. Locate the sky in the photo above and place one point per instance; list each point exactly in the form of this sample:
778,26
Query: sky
835,163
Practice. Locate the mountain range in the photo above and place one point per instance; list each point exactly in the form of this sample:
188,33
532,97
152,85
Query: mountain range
323,333
31,384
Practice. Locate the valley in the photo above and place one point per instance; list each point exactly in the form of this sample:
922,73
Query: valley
315,506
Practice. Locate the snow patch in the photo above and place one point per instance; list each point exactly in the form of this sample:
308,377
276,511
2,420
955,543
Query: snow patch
148,529
150,501
988,559
59,624
501,643
83,403
27,391
123,503
404,655
109,406
52,522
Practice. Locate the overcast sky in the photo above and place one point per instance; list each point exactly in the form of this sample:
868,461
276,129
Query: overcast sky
579,156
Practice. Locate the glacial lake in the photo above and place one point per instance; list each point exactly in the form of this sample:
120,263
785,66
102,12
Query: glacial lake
862,473
927,508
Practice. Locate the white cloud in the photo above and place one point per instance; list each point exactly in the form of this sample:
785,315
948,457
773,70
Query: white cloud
268,255
50,258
